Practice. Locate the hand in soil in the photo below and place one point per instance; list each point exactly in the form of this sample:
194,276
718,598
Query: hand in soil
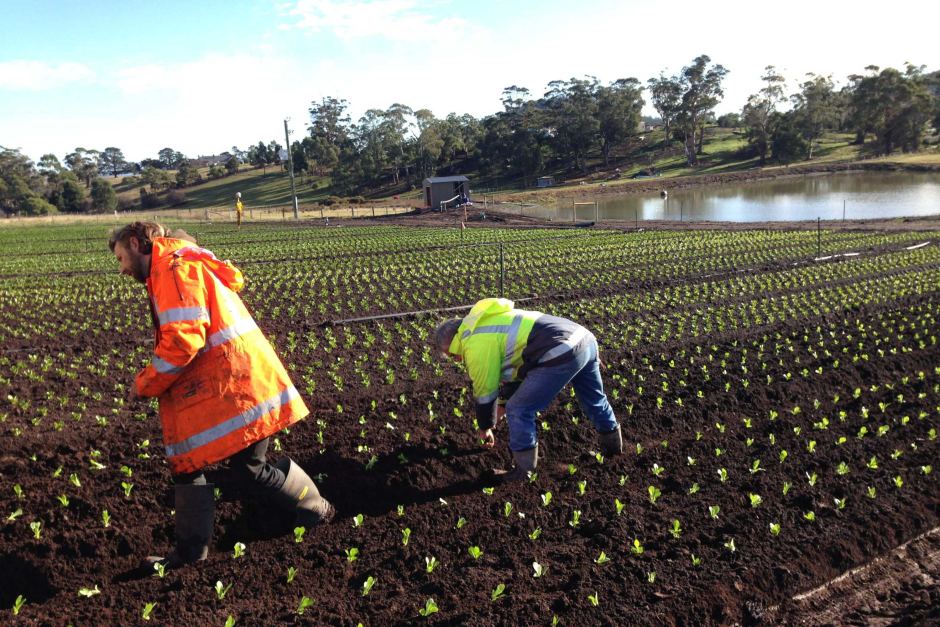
488,438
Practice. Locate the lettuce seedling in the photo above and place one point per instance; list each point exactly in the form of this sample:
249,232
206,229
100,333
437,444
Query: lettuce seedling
651,576
18,604
507,509
654,493
775,528
475,552
368,584
430,607
602,559
221,589
535,533
357,520
676,529
575,518
498,592
430,563
461,522
810,516
546,499
898,481
36,527
148,610
352,554
637,548
722,474
89,592
299,534
755,499
291,573
582,486
840,503
538,569
730,545
405,536
713,511
926,469
238,550
811,478
305,604
127,488
782,455
696,560
694,488
618,506
657,470
595,599
159,569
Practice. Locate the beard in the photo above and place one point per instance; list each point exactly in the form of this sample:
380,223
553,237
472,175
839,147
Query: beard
139,269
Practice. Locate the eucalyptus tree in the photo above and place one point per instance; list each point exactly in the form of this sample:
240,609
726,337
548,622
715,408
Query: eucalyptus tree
572,109
619,109
701,92
666,98
816,108
895,106
759,112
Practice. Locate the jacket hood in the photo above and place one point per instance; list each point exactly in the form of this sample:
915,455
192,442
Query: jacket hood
224,271
482,309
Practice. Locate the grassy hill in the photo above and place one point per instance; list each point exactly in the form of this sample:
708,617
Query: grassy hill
722,154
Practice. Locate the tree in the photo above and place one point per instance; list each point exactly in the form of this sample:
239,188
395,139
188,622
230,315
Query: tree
299,157
729,120
758,113
231,166
156,178
619,107
573,109
895,106
112,160
84,163
816,108
329,131
787,143
701,92
170,159
103,197
72,194
666,98
430,144
21,186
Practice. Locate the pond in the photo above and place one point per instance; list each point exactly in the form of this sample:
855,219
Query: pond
862,195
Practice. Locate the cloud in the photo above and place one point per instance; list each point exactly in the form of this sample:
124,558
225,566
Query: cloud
397,20
23,75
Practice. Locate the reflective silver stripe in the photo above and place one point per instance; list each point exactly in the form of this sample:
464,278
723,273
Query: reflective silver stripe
180,314
565,346
493,328
232,424
489,398
511,337
243,326
164,367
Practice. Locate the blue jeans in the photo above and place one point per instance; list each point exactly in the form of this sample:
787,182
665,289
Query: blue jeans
542,384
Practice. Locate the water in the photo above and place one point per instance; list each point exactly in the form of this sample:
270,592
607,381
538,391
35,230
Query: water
865,195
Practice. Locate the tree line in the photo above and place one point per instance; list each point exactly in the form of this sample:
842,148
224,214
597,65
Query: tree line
395,148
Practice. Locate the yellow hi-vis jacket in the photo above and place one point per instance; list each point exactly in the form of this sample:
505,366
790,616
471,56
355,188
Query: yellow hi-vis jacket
220,384
491,339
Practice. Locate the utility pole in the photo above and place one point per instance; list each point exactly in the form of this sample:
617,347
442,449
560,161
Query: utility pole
290,167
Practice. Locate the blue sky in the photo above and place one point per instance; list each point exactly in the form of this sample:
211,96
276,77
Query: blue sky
202,76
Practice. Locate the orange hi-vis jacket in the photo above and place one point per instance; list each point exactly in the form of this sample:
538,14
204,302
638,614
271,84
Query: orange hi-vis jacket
220,384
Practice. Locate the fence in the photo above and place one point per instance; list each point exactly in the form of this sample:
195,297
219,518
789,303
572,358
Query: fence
268,213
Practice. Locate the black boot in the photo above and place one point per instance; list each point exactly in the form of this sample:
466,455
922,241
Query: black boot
195,516
300,494
611,442
526,461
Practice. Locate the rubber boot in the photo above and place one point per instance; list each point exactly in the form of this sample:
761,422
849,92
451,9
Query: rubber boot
526,461
611,442
300,494
195,517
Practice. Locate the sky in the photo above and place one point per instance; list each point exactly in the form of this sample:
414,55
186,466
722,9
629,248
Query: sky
200,77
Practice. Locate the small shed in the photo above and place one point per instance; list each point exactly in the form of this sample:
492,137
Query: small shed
545,181
449,189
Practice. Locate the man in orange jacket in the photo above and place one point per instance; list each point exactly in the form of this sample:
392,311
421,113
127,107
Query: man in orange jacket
223,391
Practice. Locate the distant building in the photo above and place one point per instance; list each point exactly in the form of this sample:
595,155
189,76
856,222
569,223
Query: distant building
545,181
450,189
210,160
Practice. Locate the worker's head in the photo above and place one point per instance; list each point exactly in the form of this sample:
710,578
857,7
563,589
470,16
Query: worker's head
132,246
444,335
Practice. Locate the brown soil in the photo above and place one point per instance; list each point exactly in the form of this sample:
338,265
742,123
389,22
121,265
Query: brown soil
439,476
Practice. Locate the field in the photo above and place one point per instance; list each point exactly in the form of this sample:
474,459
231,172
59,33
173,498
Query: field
780,415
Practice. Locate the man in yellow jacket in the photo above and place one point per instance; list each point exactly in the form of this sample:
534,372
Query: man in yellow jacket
223,391
526,357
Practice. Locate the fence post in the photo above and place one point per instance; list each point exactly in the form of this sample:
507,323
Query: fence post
818,237
502,272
